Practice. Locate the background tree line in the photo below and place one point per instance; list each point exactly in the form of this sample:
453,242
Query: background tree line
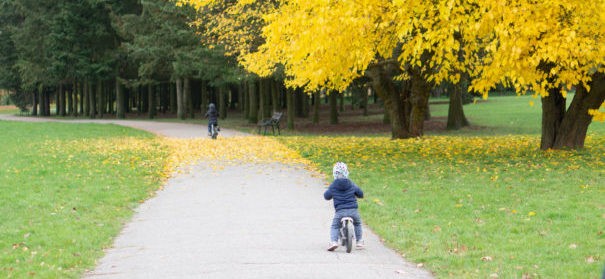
98,57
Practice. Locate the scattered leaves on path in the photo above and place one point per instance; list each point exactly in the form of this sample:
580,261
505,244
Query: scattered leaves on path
229,151
176,154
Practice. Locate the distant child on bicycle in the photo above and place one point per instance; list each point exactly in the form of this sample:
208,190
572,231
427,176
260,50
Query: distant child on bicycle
345,194
212,116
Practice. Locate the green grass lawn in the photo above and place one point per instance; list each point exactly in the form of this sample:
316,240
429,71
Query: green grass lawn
509,115
65,191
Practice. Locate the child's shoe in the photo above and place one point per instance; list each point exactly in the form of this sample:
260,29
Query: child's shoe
360,244
333,246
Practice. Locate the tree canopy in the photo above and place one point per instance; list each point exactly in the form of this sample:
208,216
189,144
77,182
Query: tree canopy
542,47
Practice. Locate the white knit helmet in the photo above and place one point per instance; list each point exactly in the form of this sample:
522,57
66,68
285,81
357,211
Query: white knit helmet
340,170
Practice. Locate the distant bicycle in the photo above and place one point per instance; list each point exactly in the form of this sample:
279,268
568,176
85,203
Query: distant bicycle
347,233
214,129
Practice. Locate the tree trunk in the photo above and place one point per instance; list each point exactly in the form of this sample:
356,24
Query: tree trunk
85,102
120,101
222,106
572,132
139,100
107,98
316,101
275,96
82,89
42,101
262,98
305,102
232,97
355,97
290,108
180,109
364,99
62,102
172,93
204,97
58,90
99,97
70,100
93,100
35,103
298,103
384,87
333,101
245,106
386,117
419,99
151,101
46,102
188,98
553,110
267,98
455,115
253,100
283,92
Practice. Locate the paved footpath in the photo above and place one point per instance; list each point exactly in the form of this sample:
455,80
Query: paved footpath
243,221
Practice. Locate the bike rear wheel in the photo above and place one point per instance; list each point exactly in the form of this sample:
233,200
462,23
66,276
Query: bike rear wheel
349,233
214,132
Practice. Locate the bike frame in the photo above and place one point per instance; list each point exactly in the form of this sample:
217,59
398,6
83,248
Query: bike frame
347,233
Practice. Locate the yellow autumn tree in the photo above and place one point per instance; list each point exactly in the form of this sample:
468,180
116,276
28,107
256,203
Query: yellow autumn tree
407,46
551,48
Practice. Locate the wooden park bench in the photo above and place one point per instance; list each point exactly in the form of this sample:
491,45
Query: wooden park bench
24,111
272,122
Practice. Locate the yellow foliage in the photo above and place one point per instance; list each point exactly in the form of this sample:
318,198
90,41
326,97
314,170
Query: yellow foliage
234,25
598,115
327,43
525,35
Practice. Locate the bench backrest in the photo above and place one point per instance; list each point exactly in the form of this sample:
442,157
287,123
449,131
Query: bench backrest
276,116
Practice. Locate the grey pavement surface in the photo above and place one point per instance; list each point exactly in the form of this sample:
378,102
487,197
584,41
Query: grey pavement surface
243,221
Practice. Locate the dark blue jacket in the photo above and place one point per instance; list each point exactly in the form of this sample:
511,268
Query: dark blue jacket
212,115
344,193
